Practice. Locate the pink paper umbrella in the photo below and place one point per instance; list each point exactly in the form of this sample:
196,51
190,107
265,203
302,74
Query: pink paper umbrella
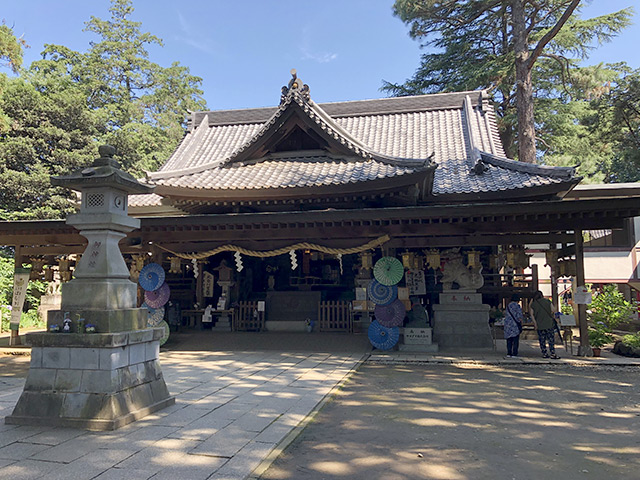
158,298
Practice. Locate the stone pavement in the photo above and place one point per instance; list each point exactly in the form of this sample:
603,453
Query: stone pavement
240,399
233,408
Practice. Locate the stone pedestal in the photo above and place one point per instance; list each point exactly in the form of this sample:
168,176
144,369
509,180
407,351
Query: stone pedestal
461,320
92,381
223,323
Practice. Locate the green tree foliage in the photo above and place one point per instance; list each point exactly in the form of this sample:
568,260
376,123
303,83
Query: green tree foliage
11,48
65,105
473,44
50,134
620,113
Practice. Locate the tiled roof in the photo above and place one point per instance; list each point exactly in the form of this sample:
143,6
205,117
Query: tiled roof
288,171
383,138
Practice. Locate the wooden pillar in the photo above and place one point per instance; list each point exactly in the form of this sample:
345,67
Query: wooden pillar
18,258
554,283
199,284
584,349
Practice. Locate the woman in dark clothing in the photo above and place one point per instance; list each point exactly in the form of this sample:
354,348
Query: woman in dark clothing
545,322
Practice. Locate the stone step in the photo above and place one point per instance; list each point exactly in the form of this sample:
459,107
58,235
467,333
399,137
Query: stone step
430,348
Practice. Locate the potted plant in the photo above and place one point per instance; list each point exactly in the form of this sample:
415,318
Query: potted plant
599,336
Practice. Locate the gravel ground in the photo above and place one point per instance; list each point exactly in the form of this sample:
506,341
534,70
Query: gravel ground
459,422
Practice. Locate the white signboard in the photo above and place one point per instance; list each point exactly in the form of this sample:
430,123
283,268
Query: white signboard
567,320
20,284
582,296
415,282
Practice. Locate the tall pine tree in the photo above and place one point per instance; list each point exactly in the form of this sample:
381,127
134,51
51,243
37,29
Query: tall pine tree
505,46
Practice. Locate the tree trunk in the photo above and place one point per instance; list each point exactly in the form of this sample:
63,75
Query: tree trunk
524,86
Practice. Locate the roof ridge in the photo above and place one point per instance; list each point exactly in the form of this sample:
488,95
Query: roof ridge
373,106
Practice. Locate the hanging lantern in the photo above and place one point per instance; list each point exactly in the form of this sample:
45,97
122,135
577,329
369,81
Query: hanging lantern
432,258
551,257
64,268
418,262
139,259
176,265
522,259
49,274
407,259
367,260
517,258
134,273
567,268
473,258
37,264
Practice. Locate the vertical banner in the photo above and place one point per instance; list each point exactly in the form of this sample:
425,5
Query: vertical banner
416,282
20,284
207,284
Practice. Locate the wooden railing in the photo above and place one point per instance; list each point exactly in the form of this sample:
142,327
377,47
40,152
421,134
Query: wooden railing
335,316
247,318
525,284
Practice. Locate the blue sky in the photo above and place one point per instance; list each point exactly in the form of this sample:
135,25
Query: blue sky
244,49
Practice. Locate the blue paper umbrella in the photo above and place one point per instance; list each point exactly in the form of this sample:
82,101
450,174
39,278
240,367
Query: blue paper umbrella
382,294
381,337
391,315
156,315
151,277
158,298
388,270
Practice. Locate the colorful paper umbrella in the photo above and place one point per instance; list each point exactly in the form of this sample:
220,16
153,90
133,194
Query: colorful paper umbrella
381,337
167,332
388,270
391,315
156,315
151,277
158,298
382,294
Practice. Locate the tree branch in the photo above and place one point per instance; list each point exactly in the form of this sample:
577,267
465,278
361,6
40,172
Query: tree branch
551,33
564,67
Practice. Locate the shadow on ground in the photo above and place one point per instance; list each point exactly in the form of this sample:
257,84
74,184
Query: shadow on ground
471,423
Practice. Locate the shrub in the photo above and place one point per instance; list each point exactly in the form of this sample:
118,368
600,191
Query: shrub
632,340
609,308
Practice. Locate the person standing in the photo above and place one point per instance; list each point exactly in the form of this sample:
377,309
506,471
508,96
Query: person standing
513,325
545,323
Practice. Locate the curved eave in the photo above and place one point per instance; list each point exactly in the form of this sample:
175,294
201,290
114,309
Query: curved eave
552,191
423,179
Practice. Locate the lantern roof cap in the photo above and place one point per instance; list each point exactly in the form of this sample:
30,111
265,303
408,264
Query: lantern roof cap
104,172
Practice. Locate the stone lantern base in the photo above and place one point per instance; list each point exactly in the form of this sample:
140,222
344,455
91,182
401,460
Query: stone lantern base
99,381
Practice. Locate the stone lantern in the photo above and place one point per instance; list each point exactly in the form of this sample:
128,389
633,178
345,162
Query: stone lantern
106,379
